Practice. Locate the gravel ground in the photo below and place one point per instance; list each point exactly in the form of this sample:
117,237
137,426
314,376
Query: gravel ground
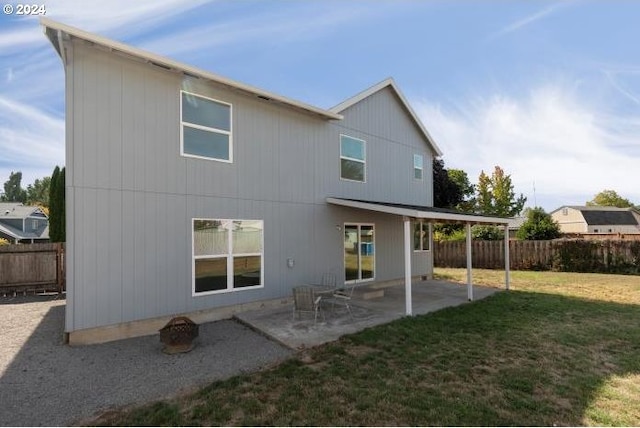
44,382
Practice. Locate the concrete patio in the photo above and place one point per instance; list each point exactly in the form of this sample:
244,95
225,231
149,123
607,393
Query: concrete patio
428,296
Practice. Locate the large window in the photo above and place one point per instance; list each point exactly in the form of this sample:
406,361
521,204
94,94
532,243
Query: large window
421,236
418,167
227,255
206,128
352,159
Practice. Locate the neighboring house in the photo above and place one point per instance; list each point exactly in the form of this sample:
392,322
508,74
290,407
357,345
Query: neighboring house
23,224
189,193
515,223
597,220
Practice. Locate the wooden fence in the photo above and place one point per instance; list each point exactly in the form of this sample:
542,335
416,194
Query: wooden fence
32,267
571,255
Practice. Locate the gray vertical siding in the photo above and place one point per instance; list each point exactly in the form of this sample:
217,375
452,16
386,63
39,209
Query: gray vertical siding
131,196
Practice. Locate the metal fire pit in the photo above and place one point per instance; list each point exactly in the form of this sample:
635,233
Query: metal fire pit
178,335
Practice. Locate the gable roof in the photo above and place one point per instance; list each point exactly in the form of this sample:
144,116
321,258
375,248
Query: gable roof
597,215
59,34
18,210
388,83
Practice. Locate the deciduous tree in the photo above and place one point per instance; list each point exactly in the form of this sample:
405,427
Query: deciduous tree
495,195
609,198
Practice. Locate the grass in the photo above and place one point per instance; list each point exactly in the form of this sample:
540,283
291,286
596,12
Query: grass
560,349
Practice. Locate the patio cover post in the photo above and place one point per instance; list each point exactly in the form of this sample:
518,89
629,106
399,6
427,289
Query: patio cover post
506,257
469,274
407,265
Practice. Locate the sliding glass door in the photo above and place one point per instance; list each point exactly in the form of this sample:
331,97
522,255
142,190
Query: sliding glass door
359,252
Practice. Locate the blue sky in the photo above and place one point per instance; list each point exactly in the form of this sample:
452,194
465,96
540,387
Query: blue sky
550,91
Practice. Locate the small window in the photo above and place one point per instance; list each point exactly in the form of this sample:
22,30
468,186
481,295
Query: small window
206,128
610,230
565,211
595,230
352,159
34,224
227,255
421,236
418,166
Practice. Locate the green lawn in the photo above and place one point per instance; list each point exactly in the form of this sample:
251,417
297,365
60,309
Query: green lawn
559,349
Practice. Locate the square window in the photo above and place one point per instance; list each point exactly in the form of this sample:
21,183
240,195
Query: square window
227,255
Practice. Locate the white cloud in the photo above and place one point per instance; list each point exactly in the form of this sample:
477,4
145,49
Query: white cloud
527,20
306,20
31,141
553,138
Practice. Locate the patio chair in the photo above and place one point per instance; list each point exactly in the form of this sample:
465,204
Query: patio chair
342,297
306,301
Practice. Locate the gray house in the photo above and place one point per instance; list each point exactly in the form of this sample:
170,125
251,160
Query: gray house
190,193
22,223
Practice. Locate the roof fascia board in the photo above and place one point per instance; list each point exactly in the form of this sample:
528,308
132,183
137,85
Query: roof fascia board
378,87
171,64
407,212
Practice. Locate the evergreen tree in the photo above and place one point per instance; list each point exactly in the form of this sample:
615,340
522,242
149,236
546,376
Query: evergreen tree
55,212
13,191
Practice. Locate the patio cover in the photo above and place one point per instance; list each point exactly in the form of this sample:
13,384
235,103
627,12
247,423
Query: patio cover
432,215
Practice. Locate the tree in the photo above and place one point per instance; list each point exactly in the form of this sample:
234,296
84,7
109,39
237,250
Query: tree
495,195
609,198
13,191
466,189
57,206
451,188
538,226
38,192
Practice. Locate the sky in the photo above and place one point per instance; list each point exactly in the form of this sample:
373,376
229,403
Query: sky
549,91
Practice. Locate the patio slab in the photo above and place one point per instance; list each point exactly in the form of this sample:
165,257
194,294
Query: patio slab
427,296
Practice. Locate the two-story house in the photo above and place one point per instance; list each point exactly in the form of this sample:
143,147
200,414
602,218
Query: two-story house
22,223
190,193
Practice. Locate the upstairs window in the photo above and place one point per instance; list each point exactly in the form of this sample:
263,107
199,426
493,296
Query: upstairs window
206,128
418,166
352,159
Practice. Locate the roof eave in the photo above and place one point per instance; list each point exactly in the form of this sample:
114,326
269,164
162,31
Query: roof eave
413,213
58,29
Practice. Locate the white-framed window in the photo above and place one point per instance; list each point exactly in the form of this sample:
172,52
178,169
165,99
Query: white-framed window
418,167
359,252
421,236
228,255
34,224
353,159
206,128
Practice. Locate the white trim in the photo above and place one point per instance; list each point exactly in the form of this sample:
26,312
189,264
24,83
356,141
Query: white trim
360,280
410,212
206,128
424,227
229,257
149,57
407,266
362,161
378,87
